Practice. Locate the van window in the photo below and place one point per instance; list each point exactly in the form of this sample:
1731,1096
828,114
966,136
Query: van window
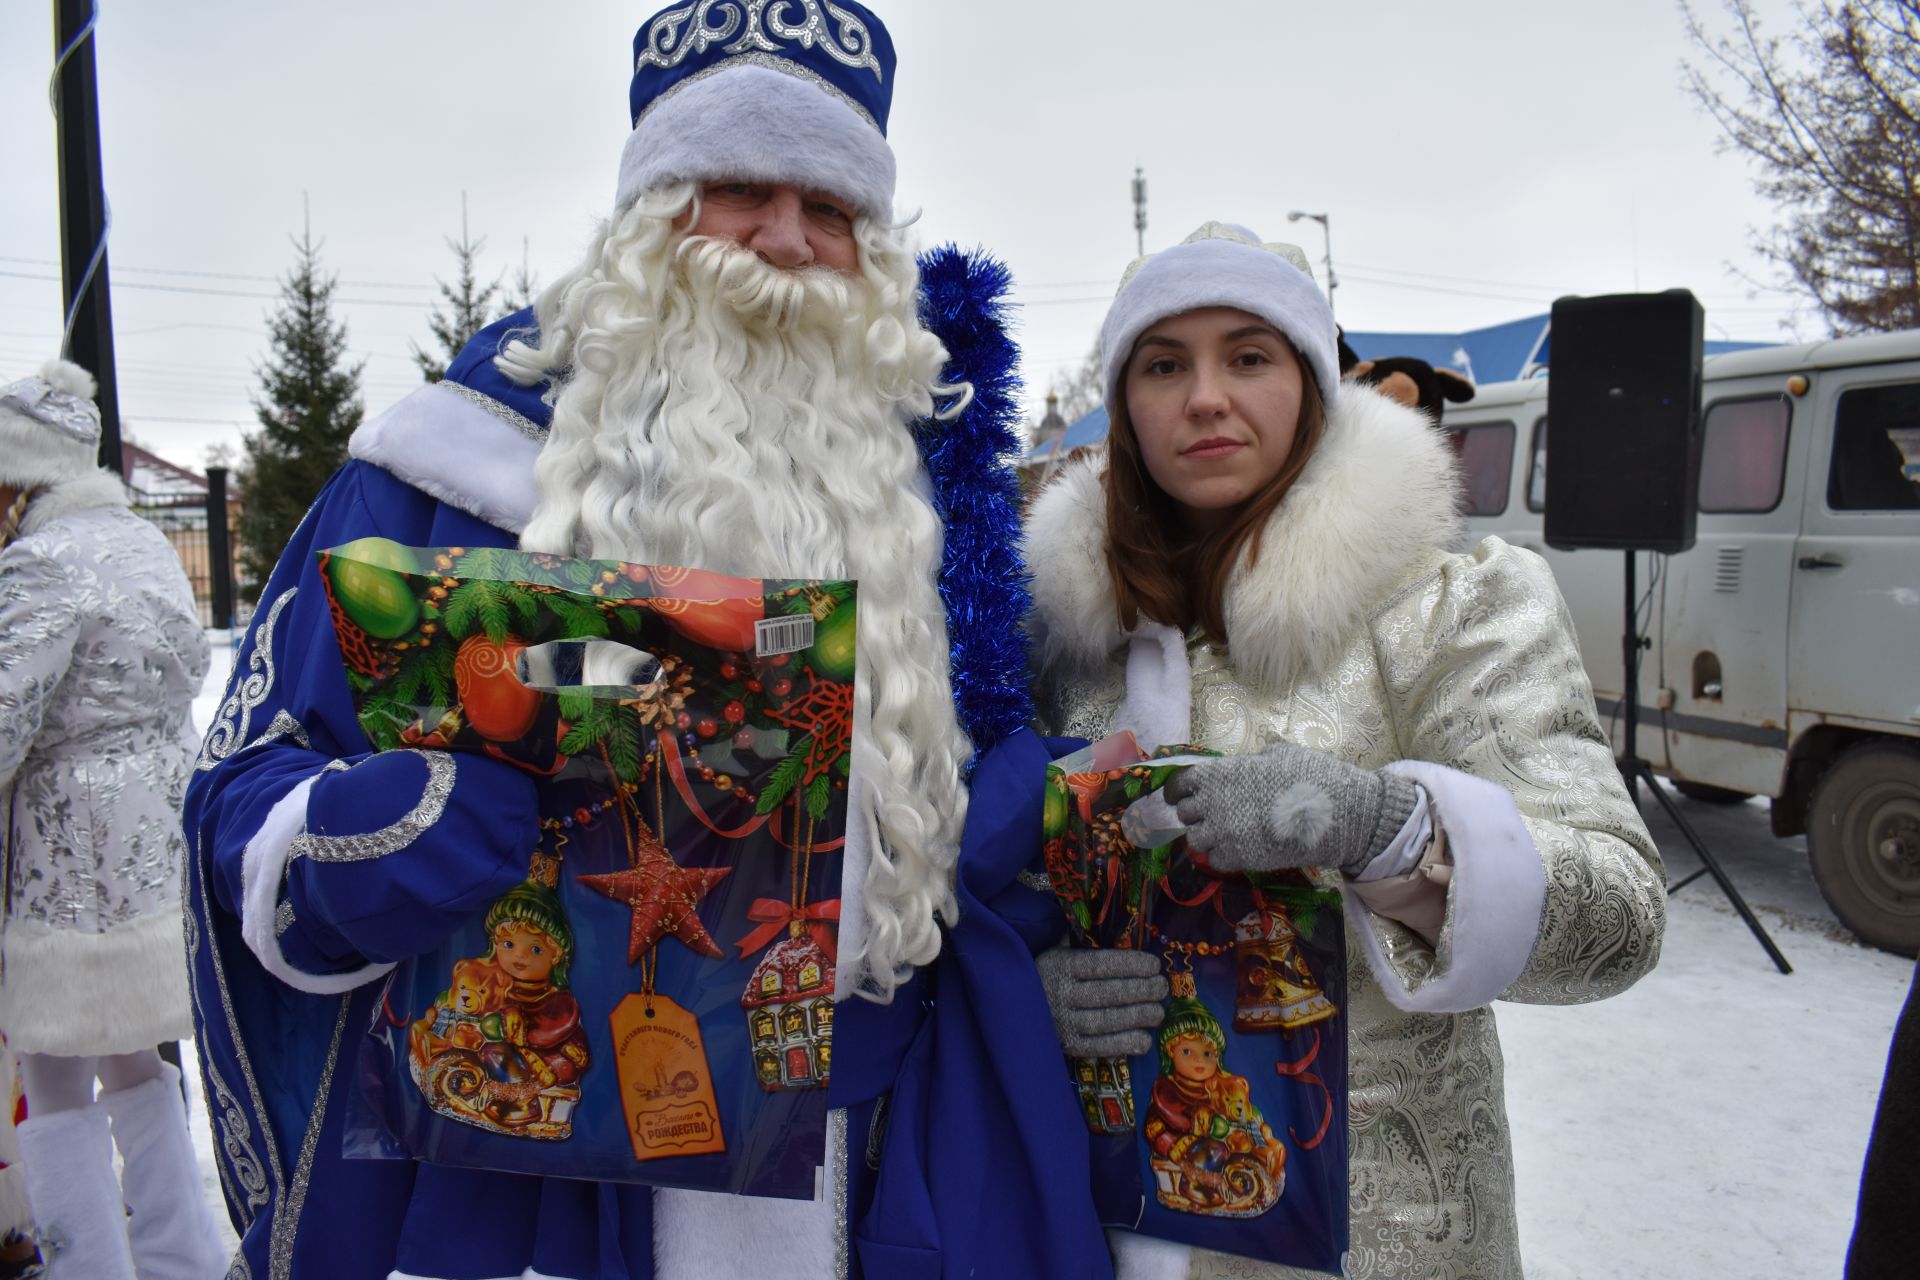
1485,451
1743,458
1537,469
1876,450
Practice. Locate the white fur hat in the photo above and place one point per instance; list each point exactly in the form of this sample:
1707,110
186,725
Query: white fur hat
49,427
1222,265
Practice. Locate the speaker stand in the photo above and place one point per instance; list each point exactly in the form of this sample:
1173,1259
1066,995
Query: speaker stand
1634,770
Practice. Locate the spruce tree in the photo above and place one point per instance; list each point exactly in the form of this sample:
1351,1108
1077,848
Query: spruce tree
469,305
309,404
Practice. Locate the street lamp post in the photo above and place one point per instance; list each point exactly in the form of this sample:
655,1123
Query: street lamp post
1333,281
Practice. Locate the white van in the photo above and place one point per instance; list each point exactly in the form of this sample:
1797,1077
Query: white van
1785,657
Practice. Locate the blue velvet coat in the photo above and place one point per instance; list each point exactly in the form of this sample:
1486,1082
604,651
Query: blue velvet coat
967,1156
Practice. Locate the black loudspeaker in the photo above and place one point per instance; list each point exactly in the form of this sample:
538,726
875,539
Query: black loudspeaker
1623,421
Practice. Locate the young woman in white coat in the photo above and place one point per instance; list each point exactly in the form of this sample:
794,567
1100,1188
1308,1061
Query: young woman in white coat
1259,562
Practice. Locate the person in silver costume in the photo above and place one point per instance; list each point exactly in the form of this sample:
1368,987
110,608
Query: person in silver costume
101,654
1258,563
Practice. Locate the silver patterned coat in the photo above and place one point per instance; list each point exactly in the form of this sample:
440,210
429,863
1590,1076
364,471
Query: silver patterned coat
101,656
1357,634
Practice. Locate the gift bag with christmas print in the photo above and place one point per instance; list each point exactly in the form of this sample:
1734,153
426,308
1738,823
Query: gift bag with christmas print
1231,1134
654,1003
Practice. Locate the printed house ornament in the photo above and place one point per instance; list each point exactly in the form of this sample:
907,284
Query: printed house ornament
789,1009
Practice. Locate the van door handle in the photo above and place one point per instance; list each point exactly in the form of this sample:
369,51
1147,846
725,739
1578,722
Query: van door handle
1821,562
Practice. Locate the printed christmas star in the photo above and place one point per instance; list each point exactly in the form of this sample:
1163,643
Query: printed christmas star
663,895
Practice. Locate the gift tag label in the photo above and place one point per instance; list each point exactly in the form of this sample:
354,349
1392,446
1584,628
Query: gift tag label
666,1087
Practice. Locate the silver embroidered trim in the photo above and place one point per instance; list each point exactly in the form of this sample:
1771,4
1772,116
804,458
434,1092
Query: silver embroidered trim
259,1183
771,63
390,839
1038,881
282,918
837,1143
336,766
228,733
760,25
487,404
287,1223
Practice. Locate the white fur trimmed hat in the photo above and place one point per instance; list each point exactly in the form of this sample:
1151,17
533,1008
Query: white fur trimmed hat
1222,265
49,427
791,92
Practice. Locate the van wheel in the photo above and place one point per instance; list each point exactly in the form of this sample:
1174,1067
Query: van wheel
1863,834
1708,794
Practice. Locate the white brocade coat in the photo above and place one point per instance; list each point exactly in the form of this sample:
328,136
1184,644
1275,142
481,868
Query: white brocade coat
1358,635
101,655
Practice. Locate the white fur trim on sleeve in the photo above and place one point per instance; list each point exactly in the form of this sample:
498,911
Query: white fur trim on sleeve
755,124
1495,902
261,868
1159,698
443,443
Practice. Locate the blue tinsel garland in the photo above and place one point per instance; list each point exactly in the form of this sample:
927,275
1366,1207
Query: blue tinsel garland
983,580
982,577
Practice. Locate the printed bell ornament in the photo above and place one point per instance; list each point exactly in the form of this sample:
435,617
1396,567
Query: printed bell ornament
789,1007
1273,990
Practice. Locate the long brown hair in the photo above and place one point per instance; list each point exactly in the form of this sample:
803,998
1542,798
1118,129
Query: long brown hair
1158,571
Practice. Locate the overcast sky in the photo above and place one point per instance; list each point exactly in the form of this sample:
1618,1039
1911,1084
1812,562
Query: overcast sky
1478,159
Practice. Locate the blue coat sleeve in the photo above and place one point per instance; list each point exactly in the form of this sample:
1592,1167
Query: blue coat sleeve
335,860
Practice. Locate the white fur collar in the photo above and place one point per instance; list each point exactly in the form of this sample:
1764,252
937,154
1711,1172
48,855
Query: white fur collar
467,451
99,489
1378,495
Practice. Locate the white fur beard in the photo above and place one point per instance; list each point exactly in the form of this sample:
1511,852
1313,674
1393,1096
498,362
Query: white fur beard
756,425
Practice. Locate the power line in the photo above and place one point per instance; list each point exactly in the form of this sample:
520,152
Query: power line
220,293
221,275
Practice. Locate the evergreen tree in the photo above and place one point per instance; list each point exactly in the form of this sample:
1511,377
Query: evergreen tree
469,306
525,288
309,404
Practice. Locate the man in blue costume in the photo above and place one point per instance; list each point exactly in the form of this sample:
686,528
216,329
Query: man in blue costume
746,372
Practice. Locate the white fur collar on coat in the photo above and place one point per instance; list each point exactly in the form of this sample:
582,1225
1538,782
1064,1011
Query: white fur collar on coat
1378,495
100,488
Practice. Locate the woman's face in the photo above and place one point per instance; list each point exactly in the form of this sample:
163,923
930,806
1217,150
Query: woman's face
1214,398
526,953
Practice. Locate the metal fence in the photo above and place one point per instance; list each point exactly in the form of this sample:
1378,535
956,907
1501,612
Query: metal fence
197,526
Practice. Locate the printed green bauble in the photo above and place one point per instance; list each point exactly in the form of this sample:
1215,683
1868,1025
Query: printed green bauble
1053,817
833,644
378,600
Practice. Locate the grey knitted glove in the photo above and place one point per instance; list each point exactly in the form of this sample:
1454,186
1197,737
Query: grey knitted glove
1106,1004
1289,806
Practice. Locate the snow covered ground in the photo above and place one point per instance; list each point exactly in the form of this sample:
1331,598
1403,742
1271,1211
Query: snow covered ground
1708,1123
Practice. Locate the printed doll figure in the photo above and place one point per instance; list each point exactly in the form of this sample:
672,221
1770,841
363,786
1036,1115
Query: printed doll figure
514,1053
1213,1152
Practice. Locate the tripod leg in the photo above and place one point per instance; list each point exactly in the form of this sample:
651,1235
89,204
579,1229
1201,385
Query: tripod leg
1711,866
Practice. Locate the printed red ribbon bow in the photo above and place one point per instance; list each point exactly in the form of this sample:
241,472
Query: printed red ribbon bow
822,920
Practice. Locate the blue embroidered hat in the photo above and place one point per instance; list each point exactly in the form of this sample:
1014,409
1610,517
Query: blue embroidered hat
789,91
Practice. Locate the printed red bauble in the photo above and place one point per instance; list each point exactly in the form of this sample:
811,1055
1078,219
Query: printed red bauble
497,705
710,609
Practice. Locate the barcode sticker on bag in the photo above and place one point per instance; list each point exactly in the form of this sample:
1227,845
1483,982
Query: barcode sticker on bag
773,636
